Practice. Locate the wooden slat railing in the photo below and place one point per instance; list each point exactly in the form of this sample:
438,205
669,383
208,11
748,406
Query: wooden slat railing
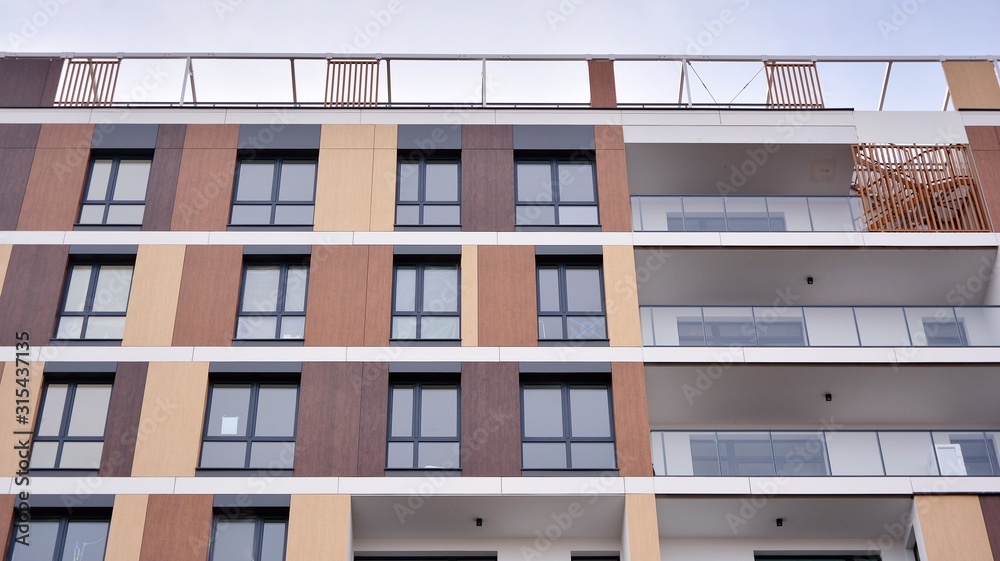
908,188
351,83
88,82
793,86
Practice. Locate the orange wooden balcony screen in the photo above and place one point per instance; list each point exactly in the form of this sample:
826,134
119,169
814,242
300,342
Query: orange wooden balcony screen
88,82
351,83
908,188
793,86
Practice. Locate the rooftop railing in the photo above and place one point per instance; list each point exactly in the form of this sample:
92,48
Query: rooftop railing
746,213
493,80
820,326
826,453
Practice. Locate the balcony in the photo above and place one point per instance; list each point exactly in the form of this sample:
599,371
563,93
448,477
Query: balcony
826,453
744,213
820,326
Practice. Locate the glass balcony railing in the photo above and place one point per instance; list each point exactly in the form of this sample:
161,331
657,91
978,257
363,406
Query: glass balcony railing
826,453
744,213
820,326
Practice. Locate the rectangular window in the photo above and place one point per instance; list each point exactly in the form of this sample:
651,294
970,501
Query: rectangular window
571,303
259,538
250,426
273,301
425,302
275,192
116,192
556,192
95,301
424,427
428,193
567,426
63,539
70,431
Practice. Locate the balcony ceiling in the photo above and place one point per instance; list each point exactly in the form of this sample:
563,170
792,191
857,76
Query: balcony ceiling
783,396
503,517
699,169
803,518
858,277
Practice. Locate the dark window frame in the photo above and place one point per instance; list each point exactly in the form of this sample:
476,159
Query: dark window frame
416,407
108,200
68,404
277,161
418,298
556,202
821,557
64,521
88,304
279,313
422,201
564,313
251,423
258,531
568,439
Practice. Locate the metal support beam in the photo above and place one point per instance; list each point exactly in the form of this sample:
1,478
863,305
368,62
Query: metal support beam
885,85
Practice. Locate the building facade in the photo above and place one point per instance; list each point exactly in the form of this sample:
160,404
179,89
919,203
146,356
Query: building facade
371,330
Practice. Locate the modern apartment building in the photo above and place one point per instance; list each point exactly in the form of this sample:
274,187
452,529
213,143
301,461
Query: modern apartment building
347,324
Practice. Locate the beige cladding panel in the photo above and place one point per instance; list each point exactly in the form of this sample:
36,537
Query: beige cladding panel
641,530
319,527
953,528
621,296
170,426
156,286
383,206
127,523
9,386
470,296
4,261
344,190
973,84
347,136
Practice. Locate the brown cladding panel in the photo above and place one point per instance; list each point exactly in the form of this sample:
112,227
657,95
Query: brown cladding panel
335,309
6,522
29,82
378,303
374,418
983,138
628,391
32,291
609,137
205,178
78,136
508,312
614,202
210,285
19,135
602,83
58,174
326,441
991,515
491,420
988,166
163,175
178,528
487,190
123,419
487,137
16,166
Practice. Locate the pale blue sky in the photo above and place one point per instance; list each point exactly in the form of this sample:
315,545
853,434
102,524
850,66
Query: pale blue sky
873,27
722,27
